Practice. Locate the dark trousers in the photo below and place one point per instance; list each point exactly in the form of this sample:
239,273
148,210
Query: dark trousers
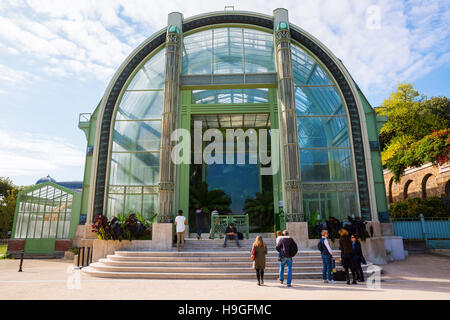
349,263
260,275
359,270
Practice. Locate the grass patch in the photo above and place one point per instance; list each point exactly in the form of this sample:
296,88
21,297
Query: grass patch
3,248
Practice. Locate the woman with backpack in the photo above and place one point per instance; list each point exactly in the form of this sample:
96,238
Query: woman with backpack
259,251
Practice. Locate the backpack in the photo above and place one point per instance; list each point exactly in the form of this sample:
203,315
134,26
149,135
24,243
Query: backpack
240,236
320,246
339,276
293,249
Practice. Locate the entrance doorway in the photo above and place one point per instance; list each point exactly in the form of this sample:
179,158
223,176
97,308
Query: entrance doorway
233,188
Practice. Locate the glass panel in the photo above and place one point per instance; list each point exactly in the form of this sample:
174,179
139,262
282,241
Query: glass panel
46,228
134,169
137,136
228,52
115,205
37,233
151,75
336,204
133,203
318,101
229,96
322,132
306,70
258,48
140,105
326,165
150,205
197,53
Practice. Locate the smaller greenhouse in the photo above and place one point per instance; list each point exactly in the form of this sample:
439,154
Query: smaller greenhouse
44,214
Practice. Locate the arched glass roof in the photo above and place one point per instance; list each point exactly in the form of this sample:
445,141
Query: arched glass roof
228,50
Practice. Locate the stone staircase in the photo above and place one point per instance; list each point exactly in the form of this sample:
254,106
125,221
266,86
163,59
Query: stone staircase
202,259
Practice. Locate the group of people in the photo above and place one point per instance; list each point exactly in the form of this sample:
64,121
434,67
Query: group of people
351,253
351,256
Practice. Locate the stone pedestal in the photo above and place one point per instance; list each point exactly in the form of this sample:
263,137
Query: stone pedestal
395,247
299,232
376,228
162,236
387,229
374,250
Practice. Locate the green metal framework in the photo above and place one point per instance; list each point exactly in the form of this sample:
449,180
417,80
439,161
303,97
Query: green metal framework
249,21
219,223
44,213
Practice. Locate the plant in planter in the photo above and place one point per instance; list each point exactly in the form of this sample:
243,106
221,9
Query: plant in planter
357,226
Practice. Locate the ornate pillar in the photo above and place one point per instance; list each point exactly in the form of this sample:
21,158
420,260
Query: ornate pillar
287,117
169,116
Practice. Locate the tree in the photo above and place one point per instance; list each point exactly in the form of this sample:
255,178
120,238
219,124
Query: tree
411,117
260,209
407,137
8,194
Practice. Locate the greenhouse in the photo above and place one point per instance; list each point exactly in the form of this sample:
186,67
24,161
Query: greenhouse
225,71
44,213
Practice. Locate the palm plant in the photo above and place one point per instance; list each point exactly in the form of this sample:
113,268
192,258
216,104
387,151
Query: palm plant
209,199
260,210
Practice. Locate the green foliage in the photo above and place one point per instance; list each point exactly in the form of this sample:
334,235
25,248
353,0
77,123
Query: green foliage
8,194
74,250
406,138
313,220
431,207
260,210
123,227
432,148
200,195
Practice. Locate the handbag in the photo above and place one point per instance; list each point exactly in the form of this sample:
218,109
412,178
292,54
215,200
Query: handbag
253,254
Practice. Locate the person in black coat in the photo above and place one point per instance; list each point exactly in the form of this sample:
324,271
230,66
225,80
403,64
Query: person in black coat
358,256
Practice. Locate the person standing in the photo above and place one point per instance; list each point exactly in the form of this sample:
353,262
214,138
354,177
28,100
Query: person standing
359,258
288,249
199,221
259,264
345,245
180,223
327,256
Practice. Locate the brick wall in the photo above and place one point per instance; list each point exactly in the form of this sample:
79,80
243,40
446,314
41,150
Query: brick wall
427,180
16,245
63,245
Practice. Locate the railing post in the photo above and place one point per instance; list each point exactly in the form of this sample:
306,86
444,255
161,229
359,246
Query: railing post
247,226
78,257
424,233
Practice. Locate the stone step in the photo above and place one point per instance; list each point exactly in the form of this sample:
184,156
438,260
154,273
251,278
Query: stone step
194,253
166,275
204,259
184,263
106,266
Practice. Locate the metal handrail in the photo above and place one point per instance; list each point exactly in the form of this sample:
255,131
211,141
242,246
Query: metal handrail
220,222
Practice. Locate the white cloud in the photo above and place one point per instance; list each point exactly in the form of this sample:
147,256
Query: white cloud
85,36
31,155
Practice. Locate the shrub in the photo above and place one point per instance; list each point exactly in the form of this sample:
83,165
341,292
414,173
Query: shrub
131,227
431,207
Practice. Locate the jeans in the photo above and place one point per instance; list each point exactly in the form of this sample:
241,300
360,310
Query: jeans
199,231
326,261
235,238
288,263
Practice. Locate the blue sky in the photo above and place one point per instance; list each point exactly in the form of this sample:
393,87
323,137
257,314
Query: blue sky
57,57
